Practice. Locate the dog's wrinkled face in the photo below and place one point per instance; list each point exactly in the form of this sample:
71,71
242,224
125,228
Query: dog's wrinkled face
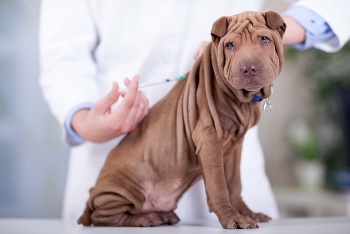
249,52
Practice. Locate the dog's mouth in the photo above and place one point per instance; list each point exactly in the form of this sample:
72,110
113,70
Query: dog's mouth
248,95
245,95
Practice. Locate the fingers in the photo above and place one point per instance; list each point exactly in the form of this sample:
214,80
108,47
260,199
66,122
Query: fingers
134,115
104,125
140,111
200,50
104,105
127,81
132,109
131,93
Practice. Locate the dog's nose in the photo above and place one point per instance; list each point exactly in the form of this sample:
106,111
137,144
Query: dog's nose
250,69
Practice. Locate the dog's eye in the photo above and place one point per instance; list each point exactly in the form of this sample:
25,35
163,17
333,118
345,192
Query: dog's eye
265,40
230,46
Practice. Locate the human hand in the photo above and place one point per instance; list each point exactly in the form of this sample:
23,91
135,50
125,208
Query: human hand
99,124
200,50
295,33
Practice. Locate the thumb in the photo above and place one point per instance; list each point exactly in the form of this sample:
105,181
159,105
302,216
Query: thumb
104,105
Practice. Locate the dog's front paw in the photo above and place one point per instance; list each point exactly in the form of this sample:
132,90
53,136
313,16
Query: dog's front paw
238,221
259,217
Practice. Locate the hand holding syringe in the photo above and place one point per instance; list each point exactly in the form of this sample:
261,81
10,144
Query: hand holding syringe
101,123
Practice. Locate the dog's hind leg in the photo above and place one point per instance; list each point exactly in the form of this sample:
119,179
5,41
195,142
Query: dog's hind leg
169,217
114,210
138,220
85,217
129,220
110,208
102,214
107,207
125,219
151,219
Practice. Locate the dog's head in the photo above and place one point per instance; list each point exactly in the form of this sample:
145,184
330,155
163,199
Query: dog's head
249,52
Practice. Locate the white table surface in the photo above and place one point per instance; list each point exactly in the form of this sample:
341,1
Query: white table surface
334,225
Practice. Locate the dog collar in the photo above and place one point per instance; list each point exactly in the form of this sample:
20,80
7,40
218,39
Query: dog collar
267,107
257,98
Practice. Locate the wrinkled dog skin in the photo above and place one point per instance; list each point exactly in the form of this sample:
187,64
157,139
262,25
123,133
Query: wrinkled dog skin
194,132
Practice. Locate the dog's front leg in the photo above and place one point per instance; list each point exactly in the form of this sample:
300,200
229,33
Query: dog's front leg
210,152
232,163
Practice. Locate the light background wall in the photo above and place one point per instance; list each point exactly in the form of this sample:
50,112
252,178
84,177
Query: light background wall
291,100
33,159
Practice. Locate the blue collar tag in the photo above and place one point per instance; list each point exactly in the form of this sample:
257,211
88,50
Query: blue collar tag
257,98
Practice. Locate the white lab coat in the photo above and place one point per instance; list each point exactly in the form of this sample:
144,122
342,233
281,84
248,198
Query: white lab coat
336,14
87,45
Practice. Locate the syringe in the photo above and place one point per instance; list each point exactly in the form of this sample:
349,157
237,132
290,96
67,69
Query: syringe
158,82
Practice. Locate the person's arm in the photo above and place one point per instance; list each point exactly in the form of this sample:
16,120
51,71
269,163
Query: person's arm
68,39
305,28
325,23
295,33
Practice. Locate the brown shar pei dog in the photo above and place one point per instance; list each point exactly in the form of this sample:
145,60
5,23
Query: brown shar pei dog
195,131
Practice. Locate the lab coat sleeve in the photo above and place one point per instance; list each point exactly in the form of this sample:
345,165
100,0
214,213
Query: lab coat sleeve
71,137
317,29
67,40
336,14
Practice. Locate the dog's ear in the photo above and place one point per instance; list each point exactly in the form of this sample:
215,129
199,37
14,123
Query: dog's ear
219,29
275,21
